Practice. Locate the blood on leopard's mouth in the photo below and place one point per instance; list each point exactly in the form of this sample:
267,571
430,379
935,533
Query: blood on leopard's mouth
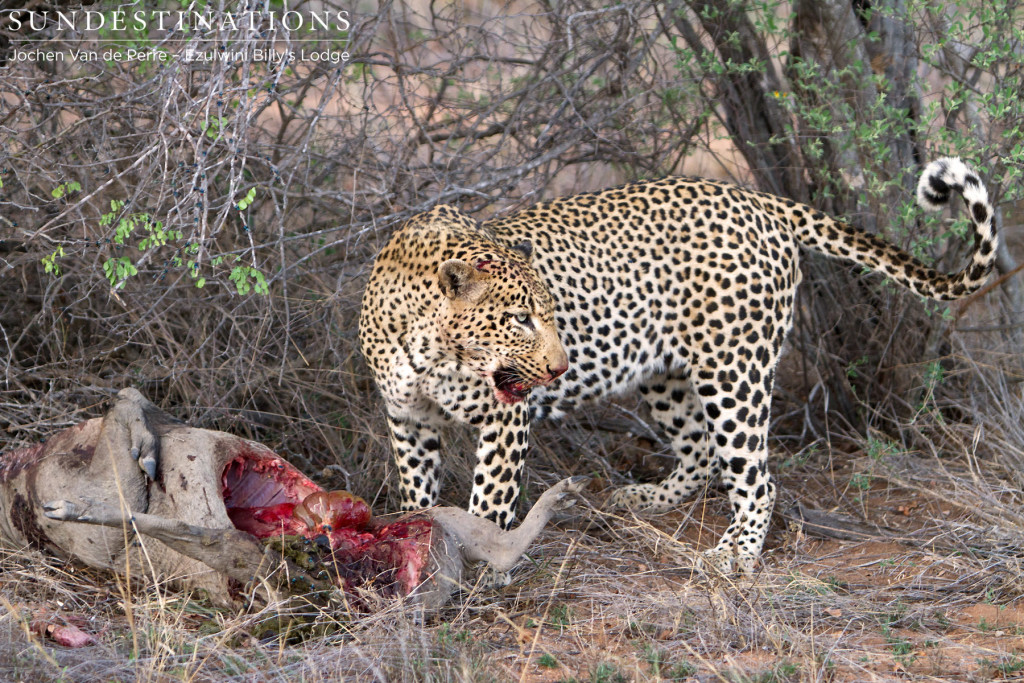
509,387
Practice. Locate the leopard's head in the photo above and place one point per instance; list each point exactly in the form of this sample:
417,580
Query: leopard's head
498,318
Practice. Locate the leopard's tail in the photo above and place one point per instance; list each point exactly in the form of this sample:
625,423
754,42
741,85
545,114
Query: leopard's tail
941,178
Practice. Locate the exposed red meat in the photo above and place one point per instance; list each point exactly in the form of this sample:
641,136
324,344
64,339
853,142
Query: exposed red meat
265,496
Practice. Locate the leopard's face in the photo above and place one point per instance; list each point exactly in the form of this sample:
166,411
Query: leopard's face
497,318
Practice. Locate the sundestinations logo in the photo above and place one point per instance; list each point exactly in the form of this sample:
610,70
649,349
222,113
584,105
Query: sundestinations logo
181,21
205,34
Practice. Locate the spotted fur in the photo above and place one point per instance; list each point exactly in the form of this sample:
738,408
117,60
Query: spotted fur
680,287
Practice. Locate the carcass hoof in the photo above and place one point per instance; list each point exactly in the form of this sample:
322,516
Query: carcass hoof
65,511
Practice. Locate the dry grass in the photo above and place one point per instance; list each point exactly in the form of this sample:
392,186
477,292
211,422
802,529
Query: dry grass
924,583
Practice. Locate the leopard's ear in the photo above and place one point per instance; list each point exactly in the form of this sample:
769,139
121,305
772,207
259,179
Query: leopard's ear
461,281
525,248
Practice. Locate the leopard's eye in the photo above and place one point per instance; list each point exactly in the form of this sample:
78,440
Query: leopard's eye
523,319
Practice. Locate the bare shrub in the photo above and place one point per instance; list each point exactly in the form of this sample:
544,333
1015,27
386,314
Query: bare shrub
254,174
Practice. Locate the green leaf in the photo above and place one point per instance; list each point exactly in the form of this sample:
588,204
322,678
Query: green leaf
247,200
118,270
241,276
50,264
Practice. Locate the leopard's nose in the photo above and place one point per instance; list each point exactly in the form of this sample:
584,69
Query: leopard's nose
558,360
555,372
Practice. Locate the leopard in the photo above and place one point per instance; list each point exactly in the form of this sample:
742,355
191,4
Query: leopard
682,288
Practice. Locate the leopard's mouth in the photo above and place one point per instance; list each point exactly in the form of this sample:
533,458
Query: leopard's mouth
511,388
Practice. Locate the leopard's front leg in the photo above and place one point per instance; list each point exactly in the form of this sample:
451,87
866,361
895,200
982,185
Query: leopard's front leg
504,438
416,446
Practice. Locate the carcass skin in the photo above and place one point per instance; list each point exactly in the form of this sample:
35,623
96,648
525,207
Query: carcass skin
106,463
199,499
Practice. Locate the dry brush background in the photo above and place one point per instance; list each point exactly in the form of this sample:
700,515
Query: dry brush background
897,541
